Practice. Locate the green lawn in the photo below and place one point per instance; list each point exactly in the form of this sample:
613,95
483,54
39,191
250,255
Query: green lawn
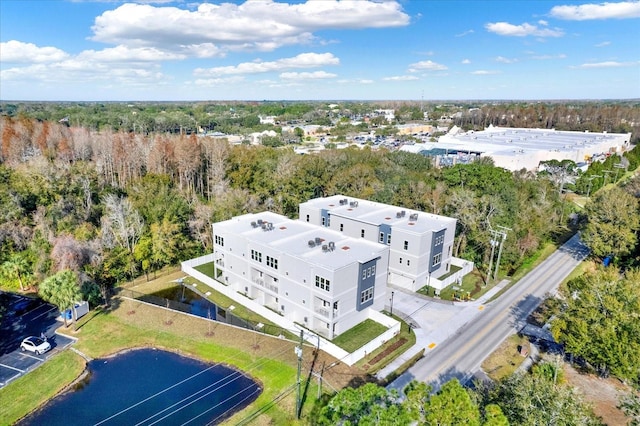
358,336
28,392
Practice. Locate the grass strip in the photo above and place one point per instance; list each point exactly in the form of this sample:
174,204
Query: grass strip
32,390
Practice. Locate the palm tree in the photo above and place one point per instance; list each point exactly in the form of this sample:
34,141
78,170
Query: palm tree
62,290
16,268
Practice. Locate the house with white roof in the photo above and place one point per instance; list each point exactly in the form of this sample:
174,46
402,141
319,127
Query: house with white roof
325,280
420,244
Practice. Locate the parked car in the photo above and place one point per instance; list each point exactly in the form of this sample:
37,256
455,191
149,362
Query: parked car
35,345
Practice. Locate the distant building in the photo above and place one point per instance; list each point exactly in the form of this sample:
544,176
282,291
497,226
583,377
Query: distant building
520,148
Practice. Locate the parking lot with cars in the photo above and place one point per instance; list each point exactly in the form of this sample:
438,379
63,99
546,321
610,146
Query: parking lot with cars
25,317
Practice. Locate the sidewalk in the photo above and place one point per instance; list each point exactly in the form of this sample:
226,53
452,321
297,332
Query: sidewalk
431,332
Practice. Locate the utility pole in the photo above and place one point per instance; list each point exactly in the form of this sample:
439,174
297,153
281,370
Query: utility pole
503,233
606,176
298,352
494,241
391,311
320,381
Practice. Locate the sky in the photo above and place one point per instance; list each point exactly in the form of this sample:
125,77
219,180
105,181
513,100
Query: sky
109,50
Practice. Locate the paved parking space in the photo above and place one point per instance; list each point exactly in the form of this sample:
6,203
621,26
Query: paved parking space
26,317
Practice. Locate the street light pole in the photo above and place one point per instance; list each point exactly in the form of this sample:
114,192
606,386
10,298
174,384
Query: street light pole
391,312
591,178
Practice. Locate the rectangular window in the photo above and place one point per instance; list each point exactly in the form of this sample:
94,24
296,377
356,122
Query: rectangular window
368,272
219,240
373,270
323,221
323,283
366,295
436,259
256,255
408,262
341,227
401,261
362,233
388,239
272,262
364,274
381,239
406,245
307,218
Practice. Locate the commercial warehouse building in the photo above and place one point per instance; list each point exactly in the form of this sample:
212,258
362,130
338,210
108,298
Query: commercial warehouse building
520,148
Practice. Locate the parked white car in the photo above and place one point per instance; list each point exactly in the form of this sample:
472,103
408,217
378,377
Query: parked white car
35,345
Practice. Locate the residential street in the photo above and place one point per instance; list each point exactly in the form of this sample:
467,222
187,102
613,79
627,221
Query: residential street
462,352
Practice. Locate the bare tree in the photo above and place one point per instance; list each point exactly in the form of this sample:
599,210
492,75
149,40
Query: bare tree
122,225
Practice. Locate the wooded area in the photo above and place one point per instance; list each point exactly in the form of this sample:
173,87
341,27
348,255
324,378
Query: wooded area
96,200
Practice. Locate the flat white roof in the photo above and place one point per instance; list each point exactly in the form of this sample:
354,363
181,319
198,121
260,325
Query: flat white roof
294,237
375,213
516,141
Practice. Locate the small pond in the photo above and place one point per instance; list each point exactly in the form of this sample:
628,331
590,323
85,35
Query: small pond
149,387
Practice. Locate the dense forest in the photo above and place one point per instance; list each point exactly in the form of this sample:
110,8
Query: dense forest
91,196
113,204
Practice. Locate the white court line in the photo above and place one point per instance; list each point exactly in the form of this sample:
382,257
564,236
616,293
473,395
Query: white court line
13,368
45,312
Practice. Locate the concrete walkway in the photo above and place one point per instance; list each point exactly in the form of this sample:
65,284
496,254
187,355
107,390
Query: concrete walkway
433,321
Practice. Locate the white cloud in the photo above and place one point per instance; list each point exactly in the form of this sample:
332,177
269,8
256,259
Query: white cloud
254,25
303,60
485,72
504,60
357,81
545,57
465,61
621,10
465,33
401,78
315,75
608,64
543,22
14,51
426,66
603,44
209,82
127,54
524,30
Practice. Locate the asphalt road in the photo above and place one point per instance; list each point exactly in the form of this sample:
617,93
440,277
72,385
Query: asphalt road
462,354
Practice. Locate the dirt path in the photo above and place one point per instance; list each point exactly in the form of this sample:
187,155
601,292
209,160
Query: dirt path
603,394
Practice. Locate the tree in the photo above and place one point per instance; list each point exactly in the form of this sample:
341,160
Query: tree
360,405
451,405
630,404
613,219
62,290
532,400
600,321
16,268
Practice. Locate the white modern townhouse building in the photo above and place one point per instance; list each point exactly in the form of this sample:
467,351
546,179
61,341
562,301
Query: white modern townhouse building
318,277
420,244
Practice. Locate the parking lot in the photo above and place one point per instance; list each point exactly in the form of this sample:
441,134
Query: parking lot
25,317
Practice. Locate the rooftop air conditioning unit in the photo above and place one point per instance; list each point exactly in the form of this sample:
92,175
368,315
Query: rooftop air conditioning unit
259,221
399,214
253,224
312,243
332,245
318,240
325,247
414,216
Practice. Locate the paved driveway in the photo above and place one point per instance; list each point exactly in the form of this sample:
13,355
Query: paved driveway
26,317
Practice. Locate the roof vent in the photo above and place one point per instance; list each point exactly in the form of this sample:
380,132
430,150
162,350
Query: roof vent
312,243
399,214
413,217
259,221
353,204
254,225
403,213
325,248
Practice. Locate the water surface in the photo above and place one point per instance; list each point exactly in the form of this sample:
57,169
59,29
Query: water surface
149,387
